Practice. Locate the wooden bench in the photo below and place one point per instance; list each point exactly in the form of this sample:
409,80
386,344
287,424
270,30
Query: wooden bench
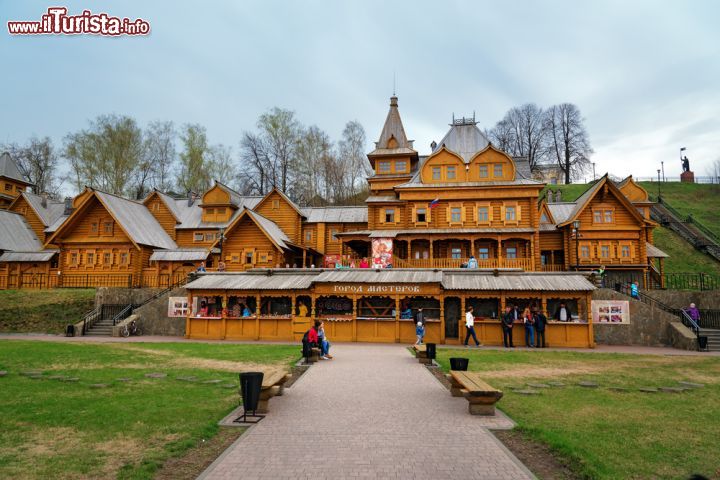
315,353
421,354
273,384
481,397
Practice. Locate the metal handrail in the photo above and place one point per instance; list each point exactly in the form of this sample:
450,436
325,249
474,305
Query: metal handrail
86,318
123,314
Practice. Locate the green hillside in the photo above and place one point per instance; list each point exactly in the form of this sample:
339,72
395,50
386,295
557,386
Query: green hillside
702,201
683,257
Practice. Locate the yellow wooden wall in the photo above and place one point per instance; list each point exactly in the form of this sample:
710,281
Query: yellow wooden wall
247,236
22,207
162,214
277,209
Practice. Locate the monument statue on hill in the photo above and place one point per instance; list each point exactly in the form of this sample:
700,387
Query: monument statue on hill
687,175
685,164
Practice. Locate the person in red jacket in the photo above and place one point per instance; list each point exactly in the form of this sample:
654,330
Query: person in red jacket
313,334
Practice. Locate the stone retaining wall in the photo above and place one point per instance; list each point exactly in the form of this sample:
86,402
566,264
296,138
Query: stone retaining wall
649,326
153,319
707,300
124,296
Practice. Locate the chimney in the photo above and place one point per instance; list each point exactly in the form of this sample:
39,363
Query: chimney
68,206
550,196
558,196
192,196
43,199
433,145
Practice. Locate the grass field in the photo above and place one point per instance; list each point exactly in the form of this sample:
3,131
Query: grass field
702,201
54,428
43,311
607,434
683,257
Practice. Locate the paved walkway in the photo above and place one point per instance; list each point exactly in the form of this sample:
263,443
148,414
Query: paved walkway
371,412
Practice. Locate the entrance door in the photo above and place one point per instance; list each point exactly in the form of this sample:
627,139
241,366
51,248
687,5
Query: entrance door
452,316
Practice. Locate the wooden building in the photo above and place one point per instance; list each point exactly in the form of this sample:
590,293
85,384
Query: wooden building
12,182
370,305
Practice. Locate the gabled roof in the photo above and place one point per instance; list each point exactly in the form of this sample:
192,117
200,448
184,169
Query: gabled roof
180,255
168,201
393,128
47,214
294,205
132,217
191,215
582,202
464,139
235,197
357,214
268,227
16,234
9,169
561,211
41,256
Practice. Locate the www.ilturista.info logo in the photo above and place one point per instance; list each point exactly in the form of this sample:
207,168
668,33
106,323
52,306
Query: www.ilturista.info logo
58,22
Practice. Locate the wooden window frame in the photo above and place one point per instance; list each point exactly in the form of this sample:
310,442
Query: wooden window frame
196,239
487,206
384,216
450,209
8,187
251,252
309,235
397,169
502,170
515,250
209,237
275,204
481,251
107,255
381,164
436,169
105,223
483,167
448,169
516,207
333,235
96,232
427,214
611,211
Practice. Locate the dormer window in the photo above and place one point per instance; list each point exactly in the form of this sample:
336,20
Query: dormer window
484,171
544,218
498,170
275,205
451,172
384,166
436,173
210,211
400,166
108,228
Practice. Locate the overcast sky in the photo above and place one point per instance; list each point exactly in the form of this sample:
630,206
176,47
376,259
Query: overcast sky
646,75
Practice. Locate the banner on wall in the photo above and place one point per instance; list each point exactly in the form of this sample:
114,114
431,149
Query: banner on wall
382,251
611,311
177,307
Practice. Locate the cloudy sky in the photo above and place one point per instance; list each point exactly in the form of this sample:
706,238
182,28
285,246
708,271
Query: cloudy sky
646,75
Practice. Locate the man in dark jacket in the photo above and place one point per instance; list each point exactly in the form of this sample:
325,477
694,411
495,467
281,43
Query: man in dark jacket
420,316
507,325
540,322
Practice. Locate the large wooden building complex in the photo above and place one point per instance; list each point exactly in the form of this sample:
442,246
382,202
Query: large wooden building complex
467,203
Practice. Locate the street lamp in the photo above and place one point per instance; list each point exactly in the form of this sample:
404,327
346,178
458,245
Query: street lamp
662,165
576,232
593,171
658,184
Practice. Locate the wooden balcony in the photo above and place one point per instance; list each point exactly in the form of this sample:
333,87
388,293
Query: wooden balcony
551,267
523,263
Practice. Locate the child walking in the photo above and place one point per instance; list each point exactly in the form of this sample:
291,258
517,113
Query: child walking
420,332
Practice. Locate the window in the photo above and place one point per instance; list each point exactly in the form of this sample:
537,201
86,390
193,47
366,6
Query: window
400,166
498,170
73,258
210,211
235,258
608,216
276,205
384,166
94,228
436,173
333,235
510,214
107,258
451,172
389,215
198,237
455,215
597,216
249,257
123,258
456,252
108,228
483,214
483,252
511,252
625,251
221,211
209,237
605,251
585,251
18,188
484,171
308,235
8,187
90,258
421,215
544,218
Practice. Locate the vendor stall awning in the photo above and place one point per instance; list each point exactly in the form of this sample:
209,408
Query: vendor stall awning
254,281
522,281
42,256
379,276
184,255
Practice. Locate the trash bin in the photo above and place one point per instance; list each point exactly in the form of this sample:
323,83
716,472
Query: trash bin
459,364
431,350
702,342
70,331
250,385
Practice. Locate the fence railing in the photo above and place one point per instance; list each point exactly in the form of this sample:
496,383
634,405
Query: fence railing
524,263
45,280
691,281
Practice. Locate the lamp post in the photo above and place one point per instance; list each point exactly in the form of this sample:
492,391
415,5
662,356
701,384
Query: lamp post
593,171
662,165
576,232
658,184
222,239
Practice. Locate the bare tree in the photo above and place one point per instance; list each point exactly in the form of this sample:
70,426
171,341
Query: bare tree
221,165
194,172
522,133
312,185
569,140
37,161
501,135
106,155
351,154
160,153
279,130
254,165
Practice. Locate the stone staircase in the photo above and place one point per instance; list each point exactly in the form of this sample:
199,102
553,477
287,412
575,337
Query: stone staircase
713,335
101,328
691,230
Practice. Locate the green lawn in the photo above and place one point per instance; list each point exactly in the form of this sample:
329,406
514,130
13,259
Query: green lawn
51,428
702,201
683,257
43,311
607,434
570,192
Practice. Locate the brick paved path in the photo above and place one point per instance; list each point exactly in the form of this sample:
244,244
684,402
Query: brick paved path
372,412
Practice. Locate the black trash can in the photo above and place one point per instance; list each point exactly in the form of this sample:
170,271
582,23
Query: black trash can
459,364
250,385
70,331
702,342
431,350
